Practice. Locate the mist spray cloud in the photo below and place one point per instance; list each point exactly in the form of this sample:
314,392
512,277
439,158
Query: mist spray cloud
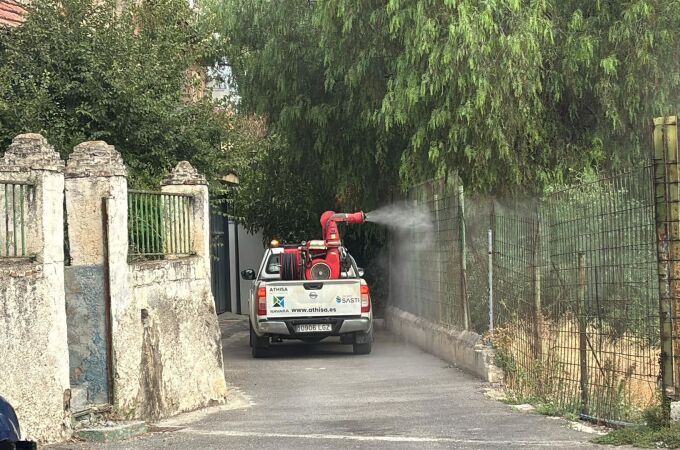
411,245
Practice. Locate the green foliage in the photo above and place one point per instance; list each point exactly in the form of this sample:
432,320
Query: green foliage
330,154
511,93
271,198
85,69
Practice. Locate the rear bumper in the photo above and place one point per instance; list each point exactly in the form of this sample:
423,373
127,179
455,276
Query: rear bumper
340,326
354,325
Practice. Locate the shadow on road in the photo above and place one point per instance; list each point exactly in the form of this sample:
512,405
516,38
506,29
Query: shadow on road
297,350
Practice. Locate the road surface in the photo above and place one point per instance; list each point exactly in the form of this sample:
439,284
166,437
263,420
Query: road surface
323,396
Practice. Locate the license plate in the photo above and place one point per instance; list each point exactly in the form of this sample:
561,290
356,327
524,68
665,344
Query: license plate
313,327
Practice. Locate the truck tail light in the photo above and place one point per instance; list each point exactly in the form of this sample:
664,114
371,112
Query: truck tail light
261,301
365,299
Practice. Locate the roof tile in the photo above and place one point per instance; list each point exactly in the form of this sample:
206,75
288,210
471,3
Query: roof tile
11,13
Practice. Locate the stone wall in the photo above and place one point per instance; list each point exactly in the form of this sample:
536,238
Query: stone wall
143,336
33,349
174,356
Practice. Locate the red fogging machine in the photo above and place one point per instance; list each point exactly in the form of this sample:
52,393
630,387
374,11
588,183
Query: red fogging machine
320,259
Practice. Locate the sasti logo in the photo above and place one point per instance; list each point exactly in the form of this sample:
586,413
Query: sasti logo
338,300
279,302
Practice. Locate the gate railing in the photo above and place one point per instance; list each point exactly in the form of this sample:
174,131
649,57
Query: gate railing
15,197
159,225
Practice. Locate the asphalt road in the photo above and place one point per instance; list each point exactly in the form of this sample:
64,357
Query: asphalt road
323,396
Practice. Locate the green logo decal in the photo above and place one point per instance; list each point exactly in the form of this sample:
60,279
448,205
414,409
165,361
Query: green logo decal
279,302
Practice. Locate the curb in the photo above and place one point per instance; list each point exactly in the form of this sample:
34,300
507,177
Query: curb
118,432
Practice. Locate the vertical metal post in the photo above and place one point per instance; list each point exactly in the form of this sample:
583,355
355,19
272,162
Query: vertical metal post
175,224
145,225
667,215
14,217
5,191
107,299
538,316
582,330
441,312
416,308
182,234
187,225
463,258
189,231
23,221
237,253
490,281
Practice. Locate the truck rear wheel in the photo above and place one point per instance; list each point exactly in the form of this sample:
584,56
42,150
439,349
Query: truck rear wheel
258,344
362,349
363,343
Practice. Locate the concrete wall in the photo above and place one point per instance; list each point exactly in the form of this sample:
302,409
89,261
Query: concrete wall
461,348
166,338
33,350
94,172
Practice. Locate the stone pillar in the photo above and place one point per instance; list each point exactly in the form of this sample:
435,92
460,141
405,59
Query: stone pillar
96,281
33,349
184,179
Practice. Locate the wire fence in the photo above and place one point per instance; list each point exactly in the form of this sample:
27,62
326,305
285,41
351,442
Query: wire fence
575,305
159,225
426,266
15,203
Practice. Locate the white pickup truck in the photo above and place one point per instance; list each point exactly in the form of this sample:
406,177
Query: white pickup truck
308,310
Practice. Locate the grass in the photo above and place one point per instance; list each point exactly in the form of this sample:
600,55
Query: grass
643,436
541,405
621,368
656,433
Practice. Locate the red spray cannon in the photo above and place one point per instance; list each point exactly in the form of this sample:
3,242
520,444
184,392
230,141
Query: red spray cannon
320,259
329,224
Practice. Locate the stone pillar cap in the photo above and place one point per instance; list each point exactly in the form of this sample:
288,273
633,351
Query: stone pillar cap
184,174
32,151
95,159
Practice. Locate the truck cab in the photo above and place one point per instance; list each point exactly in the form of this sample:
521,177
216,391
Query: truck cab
308,310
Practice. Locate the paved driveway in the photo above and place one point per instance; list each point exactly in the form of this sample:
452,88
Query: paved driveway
322,396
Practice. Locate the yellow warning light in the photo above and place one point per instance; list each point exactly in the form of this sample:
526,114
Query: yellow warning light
334,236
274,243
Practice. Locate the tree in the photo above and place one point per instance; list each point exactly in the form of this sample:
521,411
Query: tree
86,69
280,72
511,94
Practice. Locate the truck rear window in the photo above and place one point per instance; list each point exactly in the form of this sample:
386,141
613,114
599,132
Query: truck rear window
273,265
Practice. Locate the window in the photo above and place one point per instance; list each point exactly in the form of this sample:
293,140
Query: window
274,265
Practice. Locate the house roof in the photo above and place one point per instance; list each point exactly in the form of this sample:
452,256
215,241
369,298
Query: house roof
11,13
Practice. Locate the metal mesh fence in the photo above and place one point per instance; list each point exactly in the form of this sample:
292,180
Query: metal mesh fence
575,287
426,273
